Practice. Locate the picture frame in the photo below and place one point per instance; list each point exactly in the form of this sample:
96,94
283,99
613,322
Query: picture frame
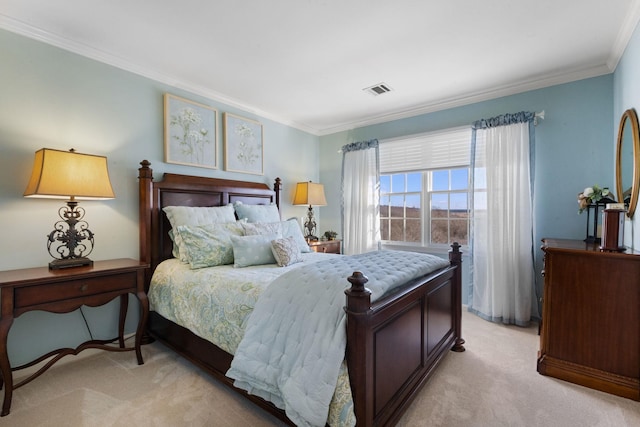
243,145
190,133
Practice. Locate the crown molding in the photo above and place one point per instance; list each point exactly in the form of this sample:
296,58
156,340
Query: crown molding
631,19
486,95
84,50
540,82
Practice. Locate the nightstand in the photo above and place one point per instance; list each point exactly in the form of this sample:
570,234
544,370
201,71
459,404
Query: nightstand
326,246
62,291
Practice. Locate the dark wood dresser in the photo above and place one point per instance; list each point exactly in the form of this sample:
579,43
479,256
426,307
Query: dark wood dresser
590,332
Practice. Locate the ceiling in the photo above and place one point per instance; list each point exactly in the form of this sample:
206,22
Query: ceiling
305,63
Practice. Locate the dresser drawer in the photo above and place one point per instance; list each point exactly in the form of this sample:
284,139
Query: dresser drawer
326,246
78,288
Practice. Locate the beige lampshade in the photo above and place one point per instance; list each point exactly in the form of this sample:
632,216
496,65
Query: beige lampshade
310,194
67,174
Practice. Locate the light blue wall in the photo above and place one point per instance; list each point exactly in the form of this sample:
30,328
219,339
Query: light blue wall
56,99
626,94
573,149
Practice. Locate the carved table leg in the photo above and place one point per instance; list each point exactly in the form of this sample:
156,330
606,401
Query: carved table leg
144,314
5,367
124,305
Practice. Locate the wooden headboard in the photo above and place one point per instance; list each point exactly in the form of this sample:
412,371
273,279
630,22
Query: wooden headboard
184,190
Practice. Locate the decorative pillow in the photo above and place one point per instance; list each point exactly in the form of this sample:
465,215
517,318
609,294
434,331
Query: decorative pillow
192,215
208,245
262,228
175,251
252,250
288,228
257,213
286,251
291,228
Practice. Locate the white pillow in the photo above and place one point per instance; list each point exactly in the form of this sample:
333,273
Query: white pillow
262,228
291,228
288,228
195,216
257,213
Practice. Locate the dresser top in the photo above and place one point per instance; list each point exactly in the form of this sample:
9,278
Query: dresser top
579,245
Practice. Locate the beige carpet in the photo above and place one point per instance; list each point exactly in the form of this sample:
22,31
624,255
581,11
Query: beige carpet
493,383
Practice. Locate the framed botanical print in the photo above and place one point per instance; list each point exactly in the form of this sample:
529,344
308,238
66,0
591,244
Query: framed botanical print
243,145
190,133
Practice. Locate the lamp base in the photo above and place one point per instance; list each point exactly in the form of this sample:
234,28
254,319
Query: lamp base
71,240
310,226
59,264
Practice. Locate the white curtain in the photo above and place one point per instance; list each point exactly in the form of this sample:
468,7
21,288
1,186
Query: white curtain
360,197
502,285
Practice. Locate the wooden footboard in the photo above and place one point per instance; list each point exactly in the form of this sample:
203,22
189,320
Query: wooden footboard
393,345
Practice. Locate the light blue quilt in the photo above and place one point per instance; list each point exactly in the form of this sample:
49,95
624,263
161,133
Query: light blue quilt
295,338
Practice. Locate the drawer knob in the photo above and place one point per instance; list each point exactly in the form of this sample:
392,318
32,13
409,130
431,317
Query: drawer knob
84,287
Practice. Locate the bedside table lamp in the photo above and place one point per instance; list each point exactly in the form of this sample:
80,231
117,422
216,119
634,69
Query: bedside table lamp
66,174
309,193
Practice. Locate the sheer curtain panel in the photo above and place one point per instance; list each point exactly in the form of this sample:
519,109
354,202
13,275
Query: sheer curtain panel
360,197
502,266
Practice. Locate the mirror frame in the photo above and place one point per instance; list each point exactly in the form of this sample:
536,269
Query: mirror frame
632,117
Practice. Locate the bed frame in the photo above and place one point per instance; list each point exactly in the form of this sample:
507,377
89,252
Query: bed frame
393,345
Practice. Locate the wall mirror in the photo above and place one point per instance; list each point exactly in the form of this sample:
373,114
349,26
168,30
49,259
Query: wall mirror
628,161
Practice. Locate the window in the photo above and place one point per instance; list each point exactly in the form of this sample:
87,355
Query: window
424,189
401,207
449,208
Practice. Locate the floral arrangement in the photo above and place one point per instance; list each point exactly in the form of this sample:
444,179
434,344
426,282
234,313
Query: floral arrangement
592,195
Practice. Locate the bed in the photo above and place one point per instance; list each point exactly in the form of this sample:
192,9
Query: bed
393,345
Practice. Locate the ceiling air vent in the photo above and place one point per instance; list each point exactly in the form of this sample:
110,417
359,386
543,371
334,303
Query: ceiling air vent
378,89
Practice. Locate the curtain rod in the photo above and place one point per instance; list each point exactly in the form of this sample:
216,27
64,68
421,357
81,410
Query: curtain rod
537,115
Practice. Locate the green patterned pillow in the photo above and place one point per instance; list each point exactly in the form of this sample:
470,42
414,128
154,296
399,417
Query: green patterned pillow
208,245
286,251
253,250
194,216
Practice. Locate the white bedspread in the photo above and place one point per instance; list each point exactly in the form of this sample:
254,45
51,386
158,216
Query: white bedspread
296,337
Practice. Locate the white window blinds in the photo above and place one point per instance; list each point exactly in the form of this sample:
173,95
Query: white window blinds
433,150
